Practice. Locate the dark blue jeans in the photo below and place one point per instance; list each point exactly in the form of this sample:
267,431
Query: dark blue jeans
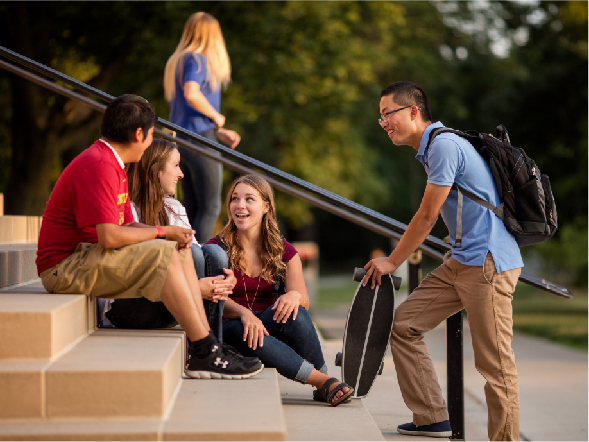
292,348
201,186
140,313
210,260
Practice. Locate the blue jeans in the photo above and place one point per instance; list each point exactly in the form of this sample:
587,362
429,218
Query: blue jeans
201,186
210,260
292,348
141,313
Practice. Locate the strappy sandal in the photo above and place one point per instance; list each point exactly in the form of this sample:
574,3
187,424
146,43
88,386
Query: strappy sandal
319,396
324,395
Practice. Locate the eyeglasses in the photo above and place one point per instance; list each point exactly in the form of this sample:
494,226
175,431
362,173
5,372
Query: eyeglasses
383,118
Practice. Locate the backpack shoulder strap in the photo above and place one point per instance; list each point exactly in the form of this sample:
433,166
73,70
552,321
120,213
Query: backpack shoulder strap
437,131
496,210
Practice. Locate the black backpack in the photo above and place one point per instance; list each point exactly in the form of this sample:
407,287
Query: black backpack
527,205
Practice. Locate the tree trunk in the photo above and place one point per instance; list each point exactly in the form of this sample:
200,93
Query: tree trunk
41,131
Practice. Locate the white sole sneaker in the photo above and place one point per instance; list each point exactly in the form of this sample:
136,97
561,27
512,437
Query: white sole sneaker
426,433
215,375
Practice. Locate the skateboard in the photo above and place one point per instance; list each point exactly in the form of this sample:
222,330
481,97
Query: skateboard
367,332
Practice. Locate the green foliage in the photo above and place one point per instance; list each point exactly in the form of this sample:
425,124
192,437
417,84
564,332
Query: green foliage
307,78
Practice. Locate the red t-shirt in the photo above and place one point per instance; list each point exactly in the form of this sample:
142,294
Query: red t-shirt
263,299
92,189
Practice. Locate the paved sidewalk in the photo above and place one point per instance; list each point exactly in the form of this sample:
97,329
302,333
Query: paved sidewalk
552,382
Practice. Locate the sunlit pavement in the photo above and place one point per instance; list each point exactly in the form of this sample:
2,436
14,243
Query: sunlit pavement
552,382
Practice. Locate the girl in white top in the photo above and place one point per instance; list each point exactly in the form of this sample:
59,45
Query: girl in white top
152,186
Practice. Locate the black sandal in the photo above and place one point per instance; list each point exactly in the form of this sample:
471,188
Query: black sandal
320,397
324,395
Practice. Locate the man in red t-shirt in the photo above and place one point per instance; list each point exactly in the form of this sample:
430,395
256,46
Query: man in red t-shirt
90,244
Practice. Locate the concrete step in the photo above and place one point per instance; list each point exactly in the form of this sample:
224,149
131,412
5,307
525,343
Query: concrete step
22,388
38,325
82,429
111,373
228,410
116,373
202,410
19,229
307,419
17,264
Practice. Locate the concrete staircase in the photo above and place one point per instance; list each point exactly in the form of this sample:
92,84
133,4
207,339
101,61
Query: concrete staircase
63,378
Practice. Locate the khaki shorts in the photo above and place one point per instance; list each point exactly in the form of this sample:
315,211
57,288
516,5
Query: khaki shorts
135,271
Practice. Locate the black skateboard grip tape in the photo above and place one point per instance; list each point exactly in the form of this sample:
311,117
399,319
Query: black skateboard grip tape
360,273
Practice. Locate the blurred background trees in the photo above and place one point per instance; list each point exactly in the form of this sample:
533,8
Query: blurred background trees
306,84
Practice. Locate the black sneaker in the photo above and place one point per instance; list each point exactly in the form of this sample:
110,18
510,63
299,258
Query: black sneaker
231,350
221,364
439,429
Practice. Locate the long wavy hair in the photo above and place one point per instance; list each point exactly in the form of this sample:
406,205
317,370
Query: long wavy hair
202,35
145,188
271,247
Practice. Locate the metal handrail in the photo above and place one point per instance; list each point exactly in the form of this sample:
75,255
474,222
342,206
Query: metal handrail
309,192
312,194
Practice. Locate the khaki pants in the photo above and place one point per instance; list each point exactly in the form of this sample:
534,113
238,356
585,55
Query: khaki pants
486,297
134,271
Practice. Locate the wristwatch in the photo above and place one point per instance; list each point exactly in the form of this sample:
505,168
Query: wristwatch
160,233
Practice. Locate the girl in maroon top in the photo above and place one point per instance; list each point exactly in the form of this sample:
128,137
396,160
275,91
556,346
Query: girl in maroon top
260,318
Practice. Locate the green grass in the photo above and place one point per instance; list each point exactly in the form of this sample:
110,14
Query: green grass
539,313
336,293
535,312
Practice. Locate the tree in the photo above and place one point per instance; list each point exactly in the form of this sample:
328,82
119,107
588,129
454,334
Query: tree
46,130
307,78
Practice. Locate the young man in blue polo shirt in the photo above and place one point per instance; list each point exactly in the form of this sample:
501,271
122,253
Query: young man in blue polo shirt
479,274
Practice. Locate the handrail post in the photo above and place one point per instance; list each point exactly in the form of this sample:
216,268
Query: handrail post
414,276
455,374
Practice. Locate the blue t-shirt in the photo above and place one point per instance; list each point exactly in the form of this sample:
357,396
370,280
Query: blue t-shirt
452,159
181,113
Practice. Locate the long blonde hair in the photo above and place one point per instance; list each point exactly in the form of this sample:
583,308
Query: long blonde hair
202,35
271,247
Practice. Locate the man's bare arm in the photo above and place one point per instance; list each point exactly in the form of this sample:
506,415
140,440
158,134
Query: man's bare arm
112,236
420,226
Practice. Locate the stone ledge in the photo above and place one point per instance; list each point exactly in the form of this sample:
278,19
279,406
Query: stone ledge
247,409
19,229
17,264
203,410
34,324
119,374
77,429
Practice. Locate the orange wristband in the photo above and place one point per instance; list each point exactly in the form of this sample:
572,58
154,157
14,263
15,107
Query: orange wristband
160,233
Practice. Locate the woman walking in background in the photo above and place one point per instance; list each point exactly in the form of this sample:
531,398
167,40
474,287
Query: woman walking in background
193,78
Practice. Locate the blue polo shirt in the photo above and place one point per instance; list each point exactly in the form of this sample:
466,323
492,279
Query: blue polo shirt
452,159
181,113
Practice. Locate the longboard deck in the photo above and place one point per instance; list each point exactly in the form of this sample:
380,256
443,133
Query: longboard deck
368,327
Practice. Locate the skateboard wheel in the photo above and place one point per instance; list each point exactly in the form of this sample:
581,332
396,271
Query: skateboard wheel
397,282
381,368
359,274
338,359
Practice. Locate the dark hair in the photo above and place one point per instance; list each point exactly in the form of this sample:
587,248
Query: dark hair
124,115
407,93
145,187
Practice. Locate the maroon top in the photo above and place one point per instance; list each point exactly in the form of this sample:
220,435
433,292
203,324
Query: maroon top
258,290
